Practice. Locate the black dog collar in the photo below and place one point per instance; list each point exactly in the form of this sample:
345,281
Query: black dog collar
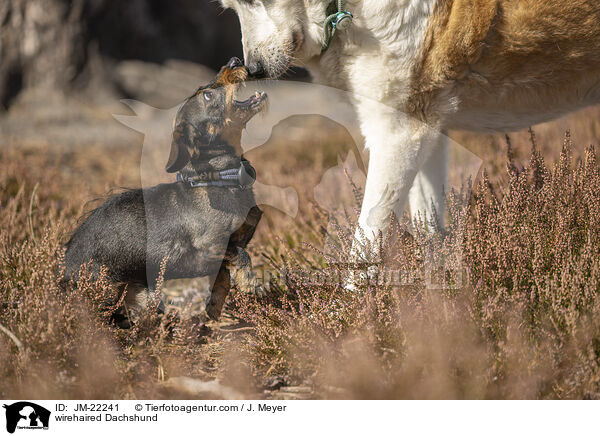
242,177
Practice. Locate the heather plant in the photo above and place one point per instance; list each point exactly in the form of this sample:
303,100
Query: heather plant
520,323
515,314
58,343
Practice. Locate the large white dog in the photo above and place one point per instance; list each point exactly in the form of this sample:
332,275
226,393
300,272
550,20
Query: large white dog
492,65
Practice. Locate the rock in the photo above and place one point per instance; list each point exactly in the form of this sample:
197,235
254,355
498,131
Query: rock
275,383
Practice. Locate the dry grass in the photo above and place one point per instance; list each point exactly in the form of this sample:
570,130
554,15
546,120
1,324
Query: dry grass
522,322
69,350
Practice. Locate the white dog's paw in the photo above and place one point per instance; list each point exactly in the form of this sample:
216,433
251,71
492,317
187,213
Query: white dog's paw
359,280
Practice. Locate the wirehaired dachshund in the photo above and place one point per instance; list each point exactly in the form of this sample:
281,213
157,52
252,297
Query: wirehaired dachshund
198,226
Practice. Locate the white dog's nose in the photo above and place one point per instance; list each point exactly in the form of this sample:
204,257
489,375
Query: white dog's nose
256,69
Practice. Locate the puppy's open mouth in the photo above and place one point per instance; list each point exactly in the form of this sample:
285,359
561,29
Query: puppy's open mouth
254,102
244,110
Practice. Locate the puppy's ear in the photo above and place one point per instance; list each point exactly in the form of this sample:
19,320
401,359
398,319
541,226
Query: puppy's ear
183,140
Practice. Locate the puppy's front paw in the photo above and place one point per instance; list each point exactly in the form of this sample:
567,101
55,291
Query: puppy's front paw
218,294
213,309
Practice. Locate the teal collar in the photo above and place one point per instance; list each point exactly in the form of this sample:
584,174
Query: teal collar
337,20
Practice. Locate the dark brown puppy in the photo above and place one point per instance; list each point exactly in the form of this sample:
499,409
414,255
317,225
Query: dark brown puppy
200,225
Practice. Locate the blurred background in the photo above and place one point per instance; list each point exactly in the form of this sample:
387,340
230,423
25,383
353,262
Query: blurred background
77,44
65,64
69,62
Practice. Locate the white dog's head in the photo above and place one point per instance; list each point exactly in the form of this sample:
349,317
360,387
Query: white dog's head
279,33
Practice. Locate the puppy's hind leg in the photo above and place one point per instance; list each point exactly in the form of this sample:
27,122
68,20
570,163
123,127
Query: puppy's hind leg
136,300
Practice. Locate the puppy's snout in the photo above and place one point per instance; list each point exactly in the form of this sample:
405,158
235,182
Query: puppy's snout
234,63
256,69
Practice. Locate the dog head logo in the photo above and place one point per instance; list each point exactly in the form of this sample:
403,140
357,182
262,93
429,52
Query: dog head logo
26,415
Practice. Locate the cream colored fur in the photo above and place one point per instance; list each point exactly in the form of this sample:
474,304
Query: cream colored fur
416,68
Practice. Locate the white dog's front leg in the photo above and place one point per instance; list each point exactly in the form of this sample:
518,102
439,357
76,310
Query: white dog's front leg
426,197
398,148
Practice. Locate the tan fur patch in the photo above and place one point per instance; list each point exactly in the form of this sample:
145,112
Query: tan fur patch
228,76
506,53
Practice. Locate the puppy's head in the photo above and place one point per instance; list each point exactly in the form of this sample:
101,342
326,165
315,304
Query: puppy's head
211,121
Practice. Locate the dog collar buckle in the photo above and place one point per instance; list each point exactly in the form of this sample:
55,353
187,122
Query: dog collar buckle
341,20
243,177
